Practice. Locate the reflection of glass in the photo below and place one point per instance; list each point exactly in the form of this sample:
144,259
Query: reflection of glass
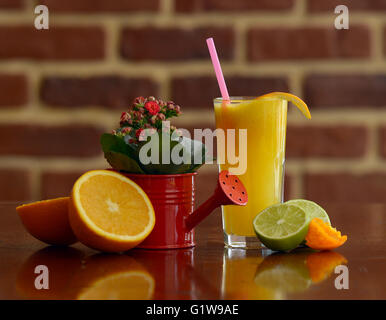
239,269
251,276
265,120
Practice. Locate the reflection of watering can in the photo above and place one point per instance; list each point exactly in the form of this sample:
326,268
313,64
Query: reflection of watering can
172,196
175,274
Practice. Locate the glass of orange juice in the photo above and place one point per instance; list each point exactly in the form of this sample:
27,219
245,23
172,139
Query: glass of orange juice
265,121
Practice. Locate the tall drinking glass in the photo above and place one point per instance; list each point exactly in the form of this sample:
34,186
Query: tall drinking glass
265,120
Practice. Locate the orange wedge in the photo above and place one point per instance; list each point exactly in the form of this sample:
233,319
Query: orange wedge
109,212
47,221
291,98
321,236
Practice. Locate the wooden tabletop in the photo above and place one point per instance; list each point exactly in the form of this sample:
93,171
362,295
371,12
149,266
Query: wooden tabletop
207,271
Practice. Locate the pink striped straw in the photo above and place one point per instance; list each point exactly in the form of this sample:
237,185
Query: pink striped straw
217,69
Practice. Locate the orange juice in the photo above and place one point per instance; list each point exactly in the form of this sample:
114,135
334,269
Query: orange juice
265,120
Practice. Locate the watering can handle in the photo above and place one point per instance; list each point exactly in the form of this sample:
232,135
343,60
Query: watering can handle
200,213
229,190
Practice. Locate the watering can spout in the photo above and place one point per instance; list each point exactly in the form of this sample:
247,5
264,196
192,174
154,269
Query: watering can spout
229,190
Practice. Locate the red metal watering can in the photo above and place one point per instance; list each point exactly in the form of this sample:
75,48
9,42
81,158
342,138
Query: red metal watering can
172,197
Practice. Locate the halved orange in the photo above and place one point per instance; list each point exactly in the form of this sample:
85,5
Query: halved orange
299,103
47,221
321,236
109,212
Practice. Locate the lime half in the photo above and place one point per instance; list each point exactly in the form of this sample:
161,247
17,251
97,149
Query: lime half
281,227
312,209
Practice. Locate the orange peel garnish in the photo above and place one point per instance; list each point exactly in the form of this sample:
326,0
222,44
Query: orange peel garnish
299,103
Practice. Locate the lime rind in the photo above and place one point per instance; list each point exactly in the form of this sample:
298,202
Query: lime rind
312,209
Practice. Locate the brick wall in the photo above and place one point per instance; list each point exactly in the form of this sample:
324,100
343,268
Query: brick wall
59,89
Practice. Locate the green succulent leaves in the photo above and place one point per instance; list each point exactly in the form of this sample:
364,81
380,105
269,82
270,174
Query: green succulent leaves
125,156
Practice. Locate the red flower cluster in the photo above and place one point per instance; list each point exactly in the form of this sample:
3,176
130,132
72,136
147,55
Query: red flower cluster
145,113
152,107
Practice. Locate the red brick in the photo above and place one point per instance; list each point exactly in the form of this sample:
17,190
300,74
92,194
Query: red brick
341,141
199,92
167,44
11,4
231,5
14,90
337,91
96,6
50,141
382,141
308,43
105,91
315,6
57,43
14,185
346,187
58,184
384,41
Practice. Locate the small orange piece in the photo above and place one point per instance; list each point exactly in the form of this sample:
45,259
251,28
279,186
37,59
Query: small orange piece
109,212
47,221
322,236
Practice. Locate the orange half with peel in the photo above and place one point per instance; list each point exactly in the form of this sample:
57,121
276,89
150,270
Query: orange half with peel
299,103
109,212
47,221
321,236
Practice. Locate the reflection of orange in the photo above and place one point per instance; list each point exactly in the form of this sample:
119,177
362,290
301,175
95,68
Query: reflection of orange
109,212
48,221
321,236
322,264
105,277
61,262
